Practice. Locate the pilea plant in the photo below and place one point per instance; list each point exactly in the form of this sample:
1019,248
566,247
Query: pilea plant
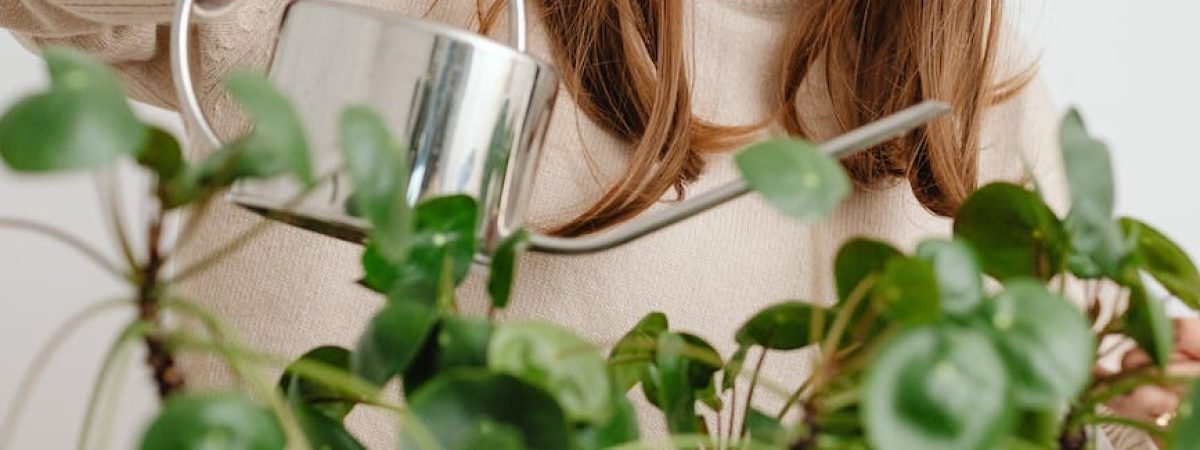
920,351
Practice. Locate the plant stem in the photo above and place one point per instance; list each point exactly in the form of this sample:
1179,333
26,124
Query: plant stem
66,238
110,201
41,359
762,357
792,399
116,356
167,375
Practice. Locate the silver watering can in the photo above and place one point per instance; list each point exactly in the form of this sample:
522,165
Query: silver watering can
472,113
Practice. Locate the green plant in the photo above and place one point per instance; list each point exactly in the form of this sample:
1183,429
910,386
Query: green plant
917,353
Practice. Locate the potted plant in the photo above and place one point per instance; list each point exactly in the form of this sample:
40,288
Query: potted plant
920,350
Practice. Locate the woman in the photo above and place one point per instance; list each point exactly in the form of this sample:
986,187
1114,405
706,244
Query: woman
658,93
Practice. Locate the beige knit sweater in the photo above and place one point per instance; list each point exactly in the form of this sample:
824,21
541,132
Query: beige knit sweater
292,290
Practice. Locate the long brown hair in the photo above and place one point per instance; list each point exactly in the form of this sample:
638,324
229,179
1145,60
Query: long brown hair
623,64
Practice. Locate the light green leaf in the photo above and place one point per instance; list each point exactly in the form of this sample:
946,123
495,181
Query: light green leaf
1185,432
935,388
560,362
958,274
1013,232
277,143
766,429
733,367
461,404
392,340
676,397
378,169
1047,344
1148,325
82,121
1165,261
1094,234
457,342
207,421
795,177
635,351
504,268
621,428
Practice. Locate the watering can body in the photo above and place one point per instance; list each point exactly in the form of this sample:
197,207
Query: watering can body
470,112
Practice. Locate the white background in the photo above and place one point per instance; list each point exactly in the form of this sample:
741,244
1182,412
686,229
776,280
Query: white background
1133,68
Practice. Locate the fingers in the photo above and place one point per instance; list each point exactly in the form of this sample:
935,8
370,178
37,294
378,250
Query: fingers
1146,403
1187,337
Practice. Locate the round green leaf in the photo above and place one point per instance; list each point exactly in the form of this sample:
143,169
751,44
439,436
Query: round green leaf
378,169
907,292
1165,261
858,259
226,421
504,267
324,432
1094,234
321,398
277,143
392,340
1047,344
458,406
635,351
1013,231
554,359
1149,326
445,228
935,388
1185,432
457,342
82,121
795,177
958,274
785,326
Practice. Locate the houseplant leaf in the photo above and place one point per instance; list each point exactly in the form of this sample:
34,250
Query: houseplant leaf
670,384
795,177
1012,231
378,168
621,428
635,351
935,388
456,342
907,292
1148,325
461,404
1047,344
1165,261
81,121
504,267
392,340
558,361
213,420
1094,234
1185,432
324,432
277,143
957,270
785,326
319,397
856,260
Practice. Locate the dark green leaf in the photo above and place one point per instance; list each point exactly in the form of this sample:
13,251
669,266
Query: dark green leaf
1013,231
1094,234
1149,326
504,267
554,359
702,370
907,292
1185,432
392,340
445,226
1165,261
1046,343
958,274
785,326
635,351
378,169
733,367
858,259
935,388
1040,428
213,420
161,154
621,428
674,391
323,432
765,429
81,122
495,436
457,342
322,398
795,177
457,406
277,143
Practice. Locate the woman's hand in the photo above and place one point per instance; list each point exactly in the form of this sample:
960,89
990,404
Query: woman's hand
1157,404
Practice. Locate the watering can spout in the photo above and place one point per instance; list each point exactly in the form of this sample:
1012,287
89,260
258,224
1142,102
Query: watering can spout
842,146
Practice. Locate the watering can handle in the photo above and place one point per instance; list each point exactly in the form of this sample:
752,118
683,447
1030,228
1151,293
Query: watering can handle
185,90
839,147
